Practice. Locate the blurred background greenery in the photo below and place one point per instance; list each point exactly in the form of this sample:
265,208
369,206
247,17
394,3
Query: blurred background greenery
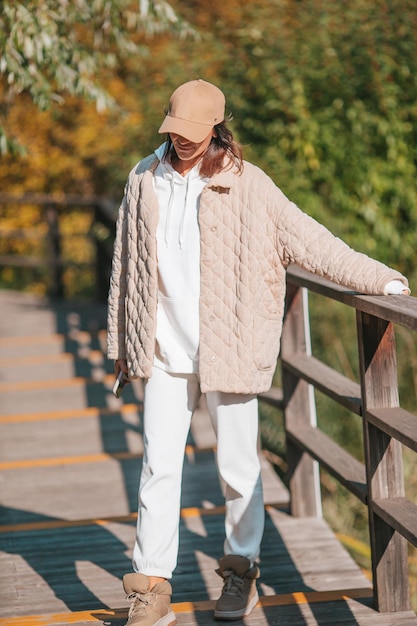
323,96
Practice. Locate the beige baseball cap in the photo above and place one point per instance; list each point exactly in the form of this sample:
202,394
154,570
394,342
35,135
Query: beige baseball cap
194,108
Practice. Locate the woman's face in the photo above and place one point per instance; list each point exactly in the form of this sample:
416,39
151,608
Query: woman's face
187,150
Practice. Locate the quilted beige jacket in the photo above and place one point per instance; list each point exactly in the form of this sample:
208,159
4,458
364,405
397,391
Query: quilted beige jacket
250,232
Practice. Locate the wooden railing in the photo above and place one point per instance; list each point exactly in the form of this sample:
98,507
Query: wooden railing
379,481
51,258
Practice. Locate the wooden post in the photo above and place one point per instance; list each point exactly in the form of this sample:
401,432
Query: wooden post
299,407
383,459
56,288
103,236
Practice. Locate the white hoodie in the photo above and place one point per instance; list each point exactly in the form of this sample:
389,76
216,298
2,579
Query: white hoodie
178,242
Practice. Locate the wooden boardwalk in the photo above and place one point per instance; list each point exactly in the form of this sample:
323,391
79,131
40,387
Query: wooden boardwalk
69,467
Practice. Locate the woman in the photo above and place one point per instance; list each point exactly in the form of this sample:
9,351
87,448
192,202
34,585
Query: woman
195,306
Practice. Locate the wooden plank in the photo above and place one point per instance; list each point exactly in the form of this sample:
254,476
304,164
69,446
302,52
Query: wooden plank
399,310
70,414
327,380
395,422
274,397
47,367
19,347
309,557
299,406
383,461
23,261
401,514
308,610
49,441
184,610
274,490
88,481
77,392
342,465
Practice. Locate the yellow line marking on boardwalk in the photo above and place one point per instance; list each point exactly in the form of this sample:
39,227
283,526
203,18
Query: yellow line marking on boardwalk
62,523
299,597
296,598
190,607
68,460
91,411
130,517
85,458
64,618
94,357
307,597
197,512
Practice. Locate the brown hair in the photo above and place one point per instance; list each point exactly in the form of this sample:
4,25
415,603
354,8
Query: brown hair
222,147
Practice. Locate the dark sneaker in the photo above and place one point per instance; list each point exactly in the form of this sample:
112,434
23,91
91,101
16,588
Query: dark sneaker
239,594
149,607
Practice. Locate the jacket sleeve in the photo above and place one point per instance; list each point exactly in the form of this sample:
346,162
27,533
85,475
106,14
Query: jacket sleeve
116,323
309,244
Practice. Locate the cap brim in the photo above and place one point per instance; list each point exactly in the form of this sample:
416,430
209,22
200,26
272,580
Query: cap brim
190,130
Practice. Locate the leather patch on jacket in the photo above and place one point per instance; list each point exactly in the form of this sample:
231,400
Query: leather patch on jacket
221,189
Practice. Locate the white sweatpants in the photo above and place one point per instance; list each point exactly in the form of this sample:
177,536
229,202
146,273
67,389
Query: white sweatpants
169,403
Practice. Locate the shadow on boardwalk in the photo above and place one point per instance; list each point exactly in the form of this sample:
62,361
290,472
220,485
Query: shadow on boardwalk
71,458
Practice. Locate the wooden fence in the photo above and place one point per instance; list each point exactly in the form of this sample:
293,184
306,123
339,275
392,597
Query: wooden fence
53,208
379,481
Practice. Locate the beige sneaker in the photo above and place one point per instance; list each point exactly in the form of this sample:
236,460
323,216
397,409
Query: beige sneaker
239,594
149,607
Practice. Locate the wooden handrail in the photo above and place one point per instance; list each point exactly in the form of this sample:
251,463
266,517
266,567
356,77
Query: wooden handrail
379,482
391,308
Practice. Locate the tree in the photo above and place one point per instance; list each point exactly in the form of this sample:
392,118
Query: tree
57,47
326,97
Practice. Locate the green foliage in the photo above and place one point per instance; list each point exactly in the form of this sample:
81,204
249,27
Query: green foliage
325,95
49,49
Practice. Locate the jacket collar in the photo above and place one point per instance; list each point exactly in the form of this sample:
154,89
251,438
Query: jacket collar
223,180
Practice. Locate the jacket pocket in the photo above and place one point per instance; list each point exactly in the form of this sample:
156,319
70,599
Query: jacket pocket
266,338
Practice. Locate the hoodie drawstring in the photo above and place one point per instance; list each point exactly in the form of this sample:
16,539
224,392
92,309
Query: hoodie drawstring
168,219
169,212
184,210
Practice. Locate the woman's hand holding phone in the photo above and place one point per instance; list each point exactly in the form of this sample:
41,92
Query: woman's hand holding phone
122,377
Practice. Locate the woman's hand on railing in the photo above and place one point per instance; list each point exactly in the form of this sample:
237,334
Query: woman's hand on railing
396,288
